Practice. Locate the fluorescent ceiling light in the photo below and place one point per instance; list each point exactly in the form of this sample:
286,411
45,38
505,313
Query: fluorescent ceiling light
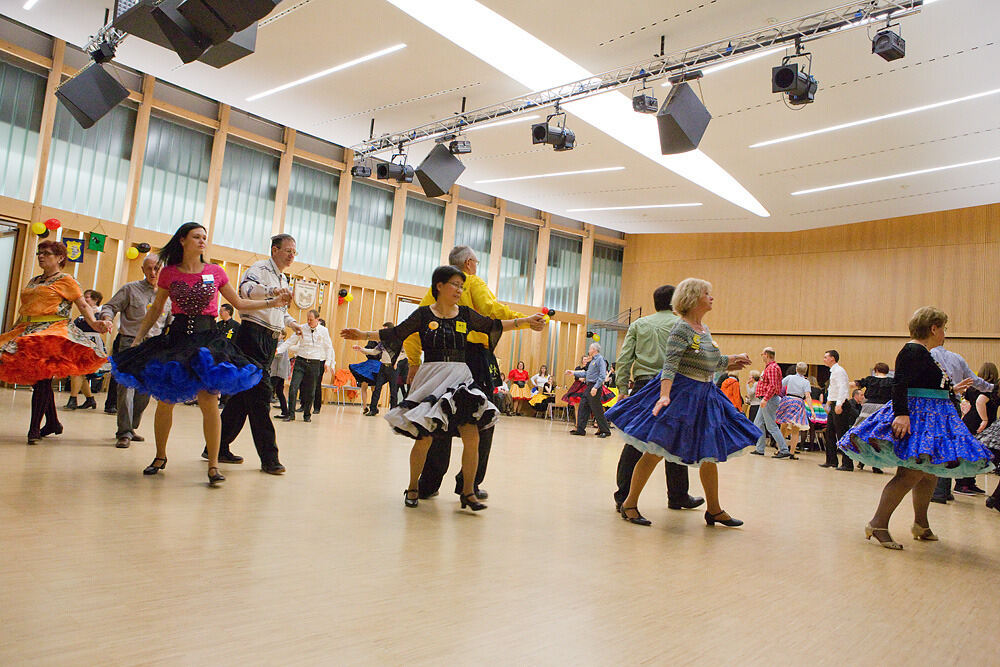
894,176
537,66
326,72
631,208
555,173
733,61
30,3
508,121
875,119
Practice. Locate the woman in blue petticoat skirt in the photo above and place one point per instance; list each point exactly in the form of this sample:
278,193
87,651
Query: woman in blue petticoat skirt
684,417
920,432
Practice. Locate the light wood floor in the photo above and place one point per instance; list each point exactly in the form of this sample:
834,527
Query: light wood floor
101,565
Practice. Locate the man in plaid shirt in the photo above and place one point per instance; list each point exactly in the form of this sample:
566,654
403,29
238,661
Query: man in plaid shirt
769,392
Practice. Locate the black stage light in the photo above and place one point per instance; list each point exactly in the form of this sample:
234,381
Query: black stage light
460,147
398,172
682,120
889,45
788,78
559,138
91,94
645,104
439,171
361,171
103,52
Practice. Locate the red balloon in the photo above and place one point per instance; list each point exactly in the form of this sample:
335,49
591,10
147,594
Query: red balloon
340,301
52,224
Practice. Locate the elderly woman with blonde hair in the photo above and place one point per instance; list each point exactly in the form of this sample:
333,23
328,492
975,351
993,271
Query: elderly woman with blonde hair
684,417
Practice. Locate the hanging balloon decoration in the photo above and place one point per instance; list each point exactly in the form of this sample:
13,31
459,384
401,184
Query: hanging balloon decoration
132,252
38,228
341,297
143,247
52,224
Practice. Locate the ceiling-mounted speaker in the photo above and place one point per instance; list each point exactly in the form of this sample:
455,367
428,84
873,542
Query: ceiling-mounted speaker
241,14
240,45
439,171
205,20
91,94
681,120
183,37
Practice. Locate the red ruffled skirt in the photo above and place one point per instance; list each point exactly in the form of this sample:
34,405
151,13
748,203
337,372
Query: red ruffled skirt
35,351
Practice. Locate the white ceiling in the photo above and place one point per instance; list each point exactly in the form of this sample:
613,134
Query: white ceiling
951,52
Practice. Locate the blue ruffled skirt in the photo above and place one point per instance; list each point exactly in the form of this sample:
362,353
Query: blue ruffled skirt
939,443
700,424
174,366
366,371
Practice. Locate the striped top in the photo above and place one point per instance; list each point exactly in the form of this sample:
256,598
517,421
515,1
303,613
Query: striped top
692,354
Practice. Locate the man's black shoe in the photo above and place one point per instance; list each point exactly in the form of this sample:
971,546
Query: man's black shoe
273,468
110,411
307,418
827,465
229,457
756,453
941,501
688,504
287,418
781,455
846,469
575,432
425,496
603,435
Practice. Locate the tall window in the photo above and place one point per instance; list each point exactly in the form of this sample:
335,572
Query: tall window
420,252
606,288
22,95
517,263
369,221
475,231
312,209
562,278
174,176
88,169
245,213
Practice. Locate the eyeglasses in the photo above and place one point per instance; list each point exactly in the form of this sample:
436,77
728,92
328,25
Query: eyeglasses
457,285
43,253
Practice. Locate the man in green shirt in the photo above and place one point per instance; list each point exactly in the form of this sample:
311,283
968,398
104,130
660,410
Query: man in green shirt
641,358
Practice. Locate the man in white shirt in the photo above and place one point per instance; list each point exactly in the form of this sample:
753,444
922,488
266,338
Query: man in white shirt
312,347
257,338
837,419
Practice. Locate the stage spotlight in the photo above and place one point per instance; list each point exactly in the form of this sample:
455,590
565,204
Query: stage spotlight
397,171
557,136
361,171
800,86
645,104
889,45
460,147
103,52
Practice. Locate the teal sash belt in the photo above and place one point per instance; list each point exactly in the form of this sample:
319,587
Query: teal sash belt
928,393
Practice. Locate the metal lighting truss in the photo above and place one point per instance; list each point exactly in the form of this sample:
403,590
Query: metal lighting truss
814,26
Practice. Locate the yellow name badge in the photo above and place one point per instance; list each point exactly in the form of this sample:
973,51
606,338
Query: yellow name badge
460,327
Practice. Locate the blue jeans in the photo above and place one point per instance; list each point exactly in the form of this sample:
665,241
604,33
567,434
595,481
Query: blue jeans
765,420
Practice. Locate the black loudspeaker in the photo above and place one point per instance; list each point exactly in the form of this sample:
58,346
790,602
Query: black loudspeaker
205,21
91,94
238,46
681,120
241,14
439,171
183,37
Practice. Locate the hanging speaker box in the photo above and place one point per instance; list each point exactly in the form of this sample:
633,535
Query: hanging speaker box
91,94
205,21
439,171
681,120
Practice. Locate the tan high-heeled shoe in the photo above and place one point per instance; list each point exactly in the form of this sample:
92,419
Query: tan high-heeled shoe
888,544
923,534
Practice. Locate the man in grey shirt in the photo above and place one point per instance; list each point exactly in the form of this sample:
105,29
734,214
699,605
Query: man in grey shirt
132,301
595,376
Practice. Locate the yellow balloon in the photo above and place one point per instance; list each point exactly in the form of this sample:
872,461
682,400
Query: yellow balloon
546,318
132,253
349,297
38,227
597,338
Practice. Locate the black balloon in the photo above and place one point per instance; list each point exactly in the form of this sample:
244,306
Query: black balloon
342,293
551,313
143,247
590,334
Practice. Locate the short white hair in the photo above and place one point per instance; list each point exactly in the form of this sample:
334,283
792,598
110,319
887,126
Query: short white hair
802,368
688,293
459,255
595,346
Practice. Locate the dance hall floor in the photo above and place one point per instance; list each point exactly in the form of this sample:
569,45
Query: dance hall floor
103,566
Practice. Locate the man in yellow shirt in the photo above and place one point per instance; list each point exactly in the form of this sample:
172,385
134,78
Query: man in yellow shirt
482,363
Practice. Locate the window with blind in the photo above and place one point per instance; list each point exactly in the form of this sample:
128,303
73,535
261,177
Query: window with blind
245,214
475,231
369,222
420,251
22,95
88,169
174,176
606,288
562,277
311,212
517,263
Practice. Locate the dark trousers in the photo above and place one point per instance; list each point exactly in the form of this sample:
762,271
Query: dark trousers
480,360
677,474
304,378
386,376
43,404
318,388
279,391
259,344
836,427
111,400
591,405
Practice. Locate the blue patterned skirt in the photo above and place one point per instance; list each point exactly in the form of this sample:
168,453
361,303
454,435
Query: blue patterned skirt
938,443
792,410
700,424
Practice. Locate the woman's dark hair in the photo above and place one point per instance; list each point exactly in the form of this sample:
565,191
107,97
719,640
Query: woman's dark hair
95,295
520,365
173,252
882,367
662,297
988,371
56,248
443,274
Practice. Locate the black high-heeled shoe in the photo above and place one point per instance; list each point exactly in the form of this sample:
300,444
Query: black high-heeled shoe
152,468
89,403
993,503
638,519
712,519
217,478
51,429
408,501
469,500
